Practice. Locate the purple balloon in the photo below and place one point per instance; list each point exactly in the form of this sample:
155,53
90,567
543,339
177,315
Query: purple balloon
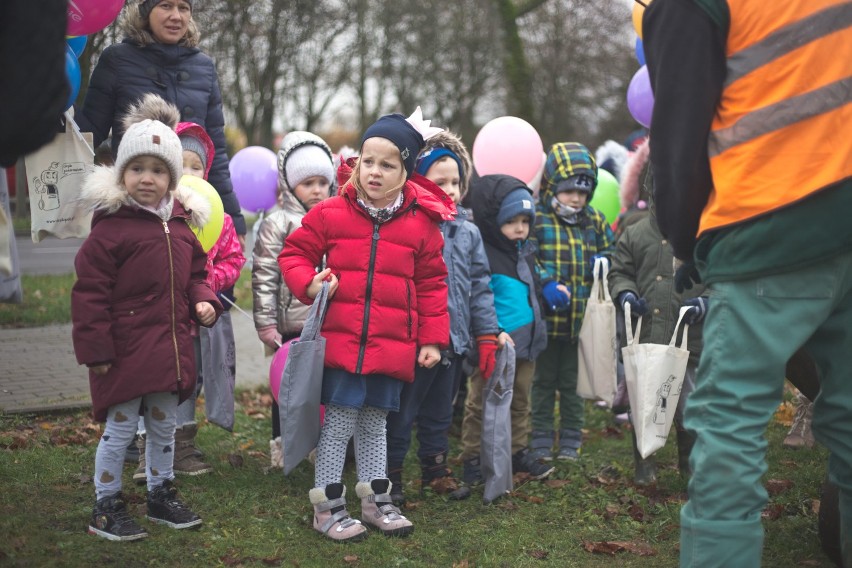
640,98
254,175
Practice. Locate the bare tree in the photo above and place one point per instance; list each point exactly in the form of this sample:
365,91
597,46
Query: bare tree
581,58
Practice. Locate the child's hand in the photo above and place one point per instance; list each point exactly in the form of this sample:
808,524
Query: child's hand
100,369
316,283
503,338
205,312
429,356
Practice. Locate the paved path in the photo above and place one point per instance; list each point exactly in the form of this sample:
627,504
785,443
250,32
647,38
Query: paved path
38,371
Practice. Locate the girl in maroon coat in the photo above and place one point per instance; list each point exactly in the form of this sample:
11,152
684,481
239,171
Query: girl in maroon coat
383,252
140,278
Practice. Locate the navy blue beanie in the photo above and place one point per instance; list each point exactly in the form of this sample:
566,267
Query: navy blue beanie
395,128
519,201
431,156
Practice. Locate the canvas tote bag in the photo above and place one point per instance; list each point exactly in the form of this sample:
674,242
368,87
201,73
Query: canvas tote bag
654,375
496,444
55,175
301,387
596,372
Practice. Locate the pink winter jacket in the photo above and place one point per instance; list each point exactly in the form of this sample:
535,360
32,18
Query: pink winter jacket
225,259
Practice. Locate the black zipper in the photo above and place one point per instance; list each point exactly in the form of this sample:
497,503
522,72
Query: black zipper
368,298
408,298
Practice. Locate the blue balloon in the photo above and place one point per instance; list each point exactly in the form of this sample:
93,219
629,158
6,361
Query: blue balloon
640,51
72,73
77,44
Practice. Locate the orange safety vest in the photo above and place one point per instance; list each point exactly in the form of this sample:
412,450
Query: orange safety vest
783,126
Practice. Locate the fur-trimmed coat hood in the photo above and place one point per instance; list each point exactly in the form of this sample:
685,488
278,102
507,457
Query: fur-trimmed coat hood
103,195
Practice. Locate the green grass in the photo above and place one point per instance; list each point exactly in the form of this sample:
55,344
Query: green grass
255,517
47,300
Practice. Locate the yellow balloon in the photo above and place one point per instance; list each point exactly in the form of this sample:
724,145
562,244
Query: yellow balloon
638,12
209,234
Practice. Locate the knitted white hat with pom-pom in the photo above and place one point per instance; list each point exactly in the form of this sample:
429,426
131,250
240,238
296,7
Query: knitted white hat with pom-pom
150,132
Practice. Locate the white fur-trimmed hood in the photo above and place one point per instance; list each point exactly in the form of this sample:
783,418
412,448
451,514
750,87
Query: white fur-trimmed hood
101,192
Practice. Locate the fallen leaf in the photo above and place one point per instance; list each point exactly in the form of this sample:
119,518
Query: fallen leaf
610,512
776,486
272,561
236,460
815,503
85,478
611,547
461,564
557,483
772,512
444,485
538,554
638,514
350,558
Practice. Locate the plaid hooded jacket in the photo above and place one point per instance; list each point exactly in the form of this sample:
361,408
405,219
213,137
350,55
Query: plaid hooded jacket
565,251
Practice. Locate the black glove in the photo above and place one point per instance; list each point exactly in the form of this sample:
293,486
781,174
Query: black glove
638,306
686,275
697,310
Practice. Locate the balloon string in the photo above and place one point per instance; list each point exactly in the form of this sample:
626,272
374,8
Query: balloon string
242,311
641,3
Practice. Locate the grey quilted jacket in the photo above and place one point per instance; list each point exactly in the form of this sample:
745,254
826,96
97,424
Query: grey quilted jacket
274,304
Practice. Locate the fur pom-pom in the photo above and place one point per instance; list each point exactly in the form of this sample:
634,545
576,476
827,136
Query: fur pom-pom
151,107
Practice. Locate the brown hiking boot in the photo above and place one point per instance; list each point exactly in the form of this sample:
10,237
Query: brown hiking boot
187,461
140,476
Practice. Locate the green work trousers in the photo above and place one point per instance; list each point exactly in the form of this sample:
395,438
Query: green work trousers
752,328
556,370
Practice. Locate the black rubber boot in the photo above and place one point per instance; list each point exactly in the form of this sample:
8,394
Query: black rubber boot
685,441
397,492
435,473
644,470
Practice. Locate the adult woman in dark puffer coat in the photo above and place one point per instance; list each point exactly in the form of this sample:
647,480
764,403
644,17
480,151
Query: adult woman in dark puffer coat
160,55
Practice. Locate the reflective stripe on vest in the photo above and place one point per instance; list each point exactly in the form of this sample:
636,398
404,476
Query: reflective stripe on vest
782,126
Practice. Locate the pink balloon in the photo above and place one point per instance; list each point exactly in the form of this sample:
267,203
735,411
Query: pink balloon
276,369
508,145
254,175
640,97
89,16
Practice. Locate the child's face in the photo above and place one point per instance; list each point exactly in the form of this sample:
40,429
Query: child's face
311,191
147,180
574,198
381,172
192,165
517,228
445,174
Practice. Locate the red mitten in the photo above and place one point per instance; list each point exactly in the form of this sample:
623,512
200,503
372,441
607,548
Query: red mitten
270,336
487,354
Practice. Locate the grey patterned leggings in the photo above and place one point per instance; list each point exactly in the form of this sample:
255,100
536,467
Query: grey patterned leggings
367,424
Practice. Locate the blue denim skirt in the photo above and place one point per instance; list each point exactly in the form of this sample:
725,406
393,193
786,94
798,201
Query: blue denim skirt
343,388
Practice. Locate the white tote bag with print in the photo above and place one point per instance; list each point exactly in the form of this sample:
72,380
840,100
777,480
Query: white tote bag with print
55,174
654,374
596,372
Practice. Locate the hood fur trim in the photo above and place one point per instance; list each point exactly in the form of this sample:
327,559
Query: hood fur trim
100,192
453,143
618,153
629,191
151,107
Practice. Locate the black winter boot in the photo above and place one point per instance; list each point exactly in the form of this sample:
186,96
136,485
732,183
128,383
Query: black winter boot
685,441
644,470
471,477
397,493
165,508
111,521
434,473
